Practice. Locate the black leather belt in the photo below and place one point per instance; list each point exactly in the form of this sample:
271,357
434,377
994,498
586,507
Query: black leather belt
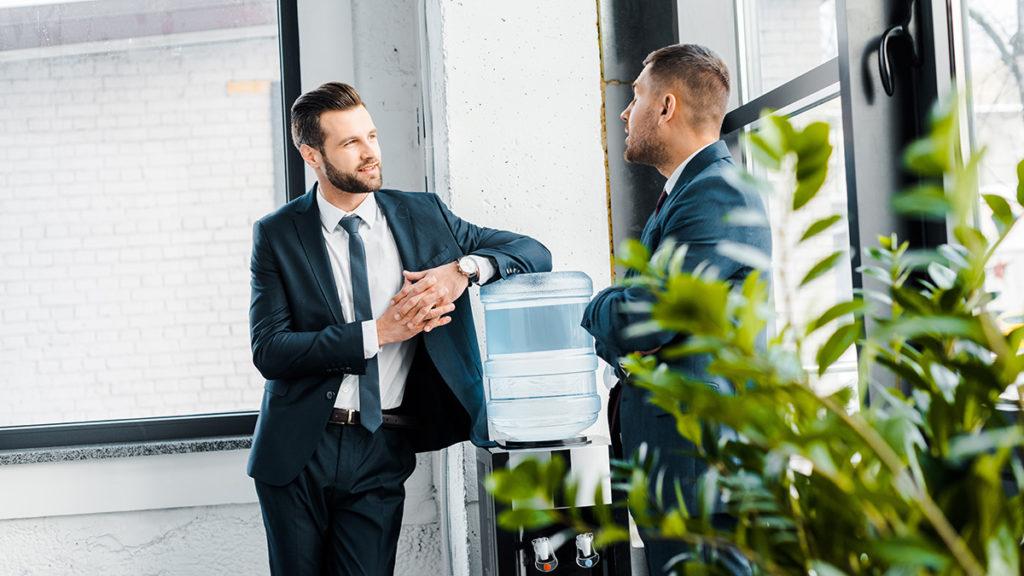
351,418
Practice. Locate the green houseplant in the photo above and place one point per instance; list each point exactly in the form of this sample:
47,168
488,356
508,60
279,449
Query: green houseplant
926,479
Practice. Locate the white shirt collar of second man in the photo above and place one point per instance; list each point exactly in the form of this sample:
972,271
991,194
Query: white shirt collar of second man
330,214
670,184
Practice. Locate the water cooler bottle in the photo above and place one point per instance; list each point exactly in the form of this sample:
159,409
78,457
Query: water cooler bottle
540,371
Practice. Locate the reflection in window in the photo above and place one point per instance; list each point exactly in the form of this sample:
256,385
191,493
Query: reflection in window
784,39
791,262
994,58
139,144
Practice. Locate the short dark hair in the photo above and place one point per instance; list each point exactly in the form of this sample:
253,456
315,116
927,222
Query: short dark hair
307,109
701,72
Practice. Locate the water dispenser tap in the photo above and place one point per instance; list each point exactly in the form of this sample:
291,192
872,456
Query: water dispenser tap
544,560
586,557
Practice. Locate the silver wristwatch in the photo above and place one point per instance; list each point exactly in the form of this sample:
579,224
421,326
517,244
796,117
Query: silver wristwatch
469,268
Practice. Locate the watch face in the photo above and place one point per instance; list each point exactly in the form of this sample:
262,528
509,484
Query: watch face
468,266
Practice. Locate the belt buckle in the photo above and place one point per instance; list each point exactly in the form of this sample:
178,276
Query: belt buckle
348,421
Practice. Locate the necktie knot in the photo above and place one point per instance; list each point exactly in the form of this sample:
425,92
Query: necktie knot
350,224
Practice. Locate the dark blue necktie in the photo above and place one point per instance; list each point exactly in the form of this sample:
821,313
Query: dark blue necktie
369,383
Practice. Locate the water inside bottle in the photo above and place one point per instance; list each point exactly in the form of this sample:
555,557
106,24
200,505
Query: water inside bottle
536,328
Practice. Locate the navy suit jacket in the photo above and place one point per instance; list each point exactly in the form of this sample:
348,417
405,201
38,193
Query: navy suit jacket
304,347
693,214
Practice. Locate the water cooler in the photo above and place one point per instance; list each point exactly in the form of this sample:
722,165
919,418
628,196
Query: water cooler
540,371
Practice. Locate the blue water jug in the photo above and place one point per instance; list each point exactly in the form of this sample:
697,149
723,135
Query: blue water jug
541,364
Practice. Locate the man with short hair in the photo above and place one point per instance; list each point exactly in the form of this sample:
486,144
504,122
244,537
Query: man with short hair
362,326
674,123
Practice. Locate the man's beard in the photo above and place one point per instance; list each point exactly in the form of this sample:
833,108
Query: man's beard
353,182
642,148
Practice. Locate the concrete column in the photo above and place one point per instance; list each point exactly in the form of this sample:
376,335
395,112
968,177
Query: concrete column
516,141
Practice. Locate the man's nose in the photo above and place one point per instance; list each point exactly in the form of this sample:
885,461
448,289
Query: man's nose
624,115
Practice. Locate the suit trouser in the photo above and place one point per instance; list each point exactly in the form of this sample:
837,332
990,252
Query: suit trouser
641,422
343,513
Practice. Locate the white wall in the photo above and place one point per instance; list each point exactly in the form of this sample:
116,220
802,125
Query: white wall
516,141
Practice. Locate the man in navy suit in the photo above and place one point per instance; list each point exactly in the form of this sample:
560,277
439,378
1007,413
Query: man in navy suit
361,324
673,123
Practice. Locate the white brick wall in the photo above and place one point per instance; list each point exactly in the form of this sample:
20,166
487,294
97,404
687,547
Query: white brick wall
129,182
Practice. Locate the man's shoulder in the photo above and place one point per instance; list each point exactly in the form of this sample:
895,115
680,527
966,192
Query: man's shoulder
285,212
413,198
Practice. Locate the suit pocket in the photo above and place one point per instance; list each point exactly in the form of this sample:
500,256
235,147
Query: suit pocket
446,255
276,387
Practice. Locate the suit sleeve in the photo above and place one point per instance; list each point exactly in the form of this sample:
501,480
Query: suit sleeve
698,222
512,253
280,353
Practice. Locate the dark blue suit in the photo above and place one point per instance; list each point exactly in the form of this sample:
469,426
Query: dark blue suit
304,347
693,214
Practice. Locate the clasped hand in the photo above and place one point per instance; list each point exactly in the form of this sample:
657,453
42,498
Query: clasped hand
422,303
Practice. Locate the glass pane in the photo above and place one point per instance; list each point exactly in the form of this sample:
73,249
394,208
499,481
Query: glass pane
139,144
997,124
784,39
790,261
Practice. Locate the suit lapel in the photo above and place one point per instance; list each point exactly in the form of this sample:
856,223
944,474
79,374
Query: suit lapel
402,227
307,226
651,236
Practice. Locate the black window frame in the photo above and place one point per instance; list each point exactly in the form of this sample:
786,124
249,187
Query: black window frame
190,426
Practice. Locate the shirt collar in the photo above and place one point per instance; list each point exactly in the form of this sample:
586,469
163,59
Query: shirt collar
330,214
670,184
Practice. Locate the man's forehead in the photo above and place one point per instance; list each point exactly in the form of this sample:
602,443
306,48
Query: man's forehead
343,123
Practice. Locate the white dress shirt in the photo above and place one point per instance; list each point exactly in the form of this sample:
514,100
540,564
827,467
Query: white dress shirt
671,182
384,275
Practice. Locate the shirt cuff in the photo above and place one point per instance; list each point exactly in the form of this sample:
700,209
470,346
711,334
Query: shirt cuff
485,267
370,345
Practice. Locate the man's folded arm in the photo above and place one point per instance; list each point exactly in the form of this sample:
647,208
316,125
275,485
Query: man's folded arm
280,353
512,253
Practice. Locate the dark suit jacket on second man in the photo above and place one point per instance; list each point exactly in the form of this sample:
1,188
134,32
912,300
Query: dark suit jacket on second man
304,347
693,214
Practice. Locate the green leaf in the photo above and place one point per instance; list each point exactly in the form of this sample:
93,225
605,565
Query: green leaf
524,518
1002,215
837,311
747,217
744,254
823,266
943,277
633,254
763,152
819,226
924,200
836,345
911,552
509,485
970,445
1002,552
822,568
1020,183
935,326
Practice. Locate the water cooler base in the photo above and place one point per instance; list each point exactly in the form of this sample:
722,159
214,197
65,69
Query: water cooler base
512,553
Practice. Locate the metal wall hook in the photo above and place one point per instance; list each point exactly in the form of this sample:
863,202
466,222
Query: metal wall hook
903,30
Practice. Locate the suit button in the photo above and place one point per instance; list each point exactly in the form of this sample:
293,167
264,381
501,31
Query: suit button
330,394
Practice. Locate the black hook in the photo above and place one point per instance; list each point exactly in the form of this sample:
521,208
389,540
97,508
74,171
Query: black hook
901,30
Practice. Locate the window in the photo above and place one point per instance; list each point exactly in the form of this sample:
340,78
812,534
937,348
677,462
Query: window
784,39
141,141
996,123
836,285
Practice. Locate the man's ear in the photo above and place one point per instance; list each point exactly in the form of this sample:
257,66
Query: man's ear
669,107
309,155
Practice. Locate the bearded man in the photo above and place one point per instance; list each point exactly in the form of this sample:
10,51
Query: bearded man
361,324
674,124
